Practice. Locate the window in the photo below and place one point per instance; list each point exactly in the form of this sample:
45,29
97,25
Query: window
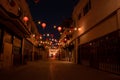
87,8
1,40
79,16
0,34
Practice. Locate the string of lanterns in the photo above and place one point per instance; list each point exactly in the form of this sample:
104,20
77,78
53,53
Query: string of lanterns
51,39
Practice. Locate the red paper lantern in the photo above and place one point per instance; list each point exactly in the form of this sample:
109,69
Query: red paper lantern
59,28
25,18
43,25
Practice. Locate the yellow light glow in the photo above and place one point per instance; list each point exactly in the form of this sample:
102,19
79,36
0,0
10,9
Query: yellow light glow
79,29
39,22
54,26
75,29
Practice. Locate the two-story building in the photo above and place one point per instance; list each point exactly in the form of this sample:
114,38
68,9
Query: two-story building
16,29
97,43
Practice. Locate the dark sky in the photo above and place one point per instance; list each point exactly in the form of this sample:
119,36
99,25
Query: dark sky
52,12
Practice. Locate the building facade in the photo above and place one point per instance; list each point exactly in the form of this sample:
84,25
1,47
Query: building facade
16,29
97,43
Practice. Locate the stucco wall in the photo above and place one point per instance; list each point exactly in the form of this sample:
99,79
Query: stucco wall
99,11
100,30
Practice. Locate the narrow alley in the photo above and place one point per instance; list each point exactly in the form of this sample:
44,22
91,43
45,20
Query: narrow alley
59,39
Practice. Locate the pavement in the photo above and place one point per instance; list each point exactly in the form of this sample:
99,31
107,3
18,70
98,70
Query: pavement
55,70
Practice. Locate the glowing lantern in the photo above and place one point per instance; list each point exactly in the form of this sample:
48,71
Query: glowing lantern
39,22
25,18
59,28
43,25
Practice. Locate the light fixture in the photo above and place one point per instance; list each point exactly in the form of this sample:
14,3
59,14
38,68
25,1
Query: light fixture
59,28
25,18
39,22
43,25
79,29
75,29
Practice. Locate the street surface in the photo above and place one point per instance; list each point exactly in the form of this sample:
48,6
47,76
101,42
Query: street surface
55,70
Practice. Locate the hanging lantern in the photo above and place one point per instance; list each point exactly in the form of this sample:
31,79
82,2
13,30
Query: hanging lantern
59,28
43,25
25,18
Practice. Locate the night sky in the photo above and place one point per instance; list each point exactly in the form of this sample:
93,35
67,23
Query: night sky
52,12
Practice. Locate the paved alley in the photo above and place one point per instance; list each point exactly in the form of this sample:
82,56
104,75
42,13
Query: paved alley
55,70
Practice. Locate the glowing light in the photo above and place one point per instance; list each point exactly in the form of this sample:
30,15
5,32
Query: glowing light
48,34
33,35
41,41
59,28
25,18
54,26
75,29
79,29
43,25
39,22
40,37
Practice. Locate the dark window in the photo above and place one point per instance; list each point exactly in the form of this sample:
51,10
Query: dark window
0,34
87,8
1,40
79,16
